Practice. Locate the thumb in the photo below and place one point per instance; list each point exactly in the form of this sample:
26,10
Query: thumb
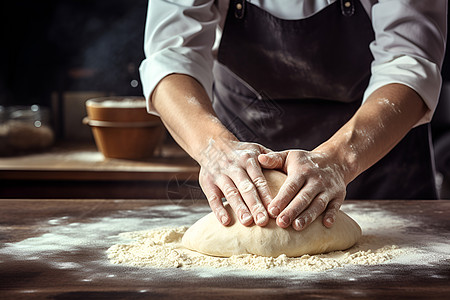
272,160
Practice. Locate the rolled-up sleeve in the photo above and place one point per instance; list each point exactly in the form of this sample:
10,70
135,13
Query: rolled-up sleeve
409,47
179,36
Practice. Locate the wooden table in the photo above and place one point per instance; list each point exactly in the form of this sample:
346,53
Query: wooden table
65,268
80,171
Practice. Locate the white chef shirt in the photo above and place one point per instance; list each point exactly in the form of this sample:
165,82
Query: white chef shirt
409,45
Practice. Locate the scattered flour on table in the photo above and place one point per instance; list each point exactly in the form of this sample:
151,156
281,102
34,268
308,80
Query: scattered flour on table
388,239
162,248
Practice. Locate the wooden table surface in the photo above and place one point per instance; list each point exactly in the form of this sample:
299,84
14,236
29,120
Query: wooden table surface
44,254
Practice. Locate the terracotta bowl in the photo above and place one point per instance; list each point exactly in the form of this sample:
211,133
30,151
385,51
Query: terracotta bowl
122,128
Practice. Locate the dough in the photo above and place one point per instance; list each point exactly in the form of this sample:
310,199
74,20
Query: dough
208,236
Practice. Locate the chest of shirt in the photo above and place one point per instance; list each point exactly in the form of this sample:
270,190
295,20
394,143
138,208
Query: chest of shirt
290,9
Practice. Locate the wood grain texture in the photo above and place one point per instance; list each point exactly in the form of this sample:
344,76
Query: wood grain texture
84,162
80,171
20,278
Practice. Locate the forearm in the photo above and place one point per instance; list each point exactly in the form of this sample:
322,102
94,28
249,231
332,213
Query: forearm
380,123
229,168
187,113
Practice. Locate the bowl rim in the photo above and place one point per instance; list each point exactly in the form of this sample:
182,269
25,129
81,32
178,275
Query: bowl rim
98,123
94,102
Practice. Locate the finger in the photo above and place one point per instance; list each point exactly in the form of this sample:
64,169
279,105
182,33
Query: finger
214,196
264,150
273,160
286,194
231,193
331,212
259,180
251,198
298,204
312,212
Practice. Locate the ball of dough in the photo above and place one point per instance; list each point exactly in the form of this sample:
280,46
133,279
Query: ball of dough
209,236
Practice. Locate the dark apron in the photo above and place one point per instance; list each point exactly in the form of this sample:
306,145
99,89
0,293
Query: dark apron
291,84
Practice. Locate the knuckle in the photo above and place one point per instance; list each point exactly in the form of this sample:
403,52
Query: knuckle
308,171
257,207
290,187
219,179
246,156
246,186
213,199
219,213
207,179
330,214
335,206
233,170
338,193
260,181
298,210
204,177
321,203
230,191
251,163
321,183
306,196
308,218
240,209
275,159
303,200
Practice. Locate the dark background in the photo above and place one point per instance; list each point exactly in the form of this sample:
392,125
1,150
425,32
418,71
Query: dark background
59,45
49,46
53,46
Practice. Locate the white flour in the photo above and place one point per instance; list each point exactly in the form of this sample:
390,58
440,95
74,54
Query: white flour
80,246
162,248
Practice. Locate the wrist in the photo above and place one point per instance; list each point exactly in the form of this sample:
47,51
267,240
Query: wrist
343,157
211,145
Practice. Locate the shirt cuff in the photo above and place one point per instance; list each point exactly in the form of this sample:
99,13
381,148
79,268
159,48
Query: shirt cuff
419,74
154,68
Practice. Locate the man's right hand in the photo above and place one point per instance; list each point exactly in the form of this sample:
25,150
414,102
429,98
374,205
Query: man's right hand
231,169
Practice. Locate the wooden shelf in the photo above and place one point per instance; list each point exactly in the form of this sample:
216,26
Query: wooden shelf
73,162
80,170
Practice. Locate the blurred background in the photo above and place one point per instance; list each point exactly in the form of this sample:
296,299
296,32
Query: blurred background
58,54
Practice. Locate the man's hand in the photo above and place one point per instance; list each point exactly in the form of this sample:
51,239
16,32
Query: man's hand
314,184
231,169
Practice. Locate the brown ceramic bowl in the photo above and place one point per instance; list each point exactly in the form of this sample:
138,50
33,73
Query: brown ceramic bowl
123,128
